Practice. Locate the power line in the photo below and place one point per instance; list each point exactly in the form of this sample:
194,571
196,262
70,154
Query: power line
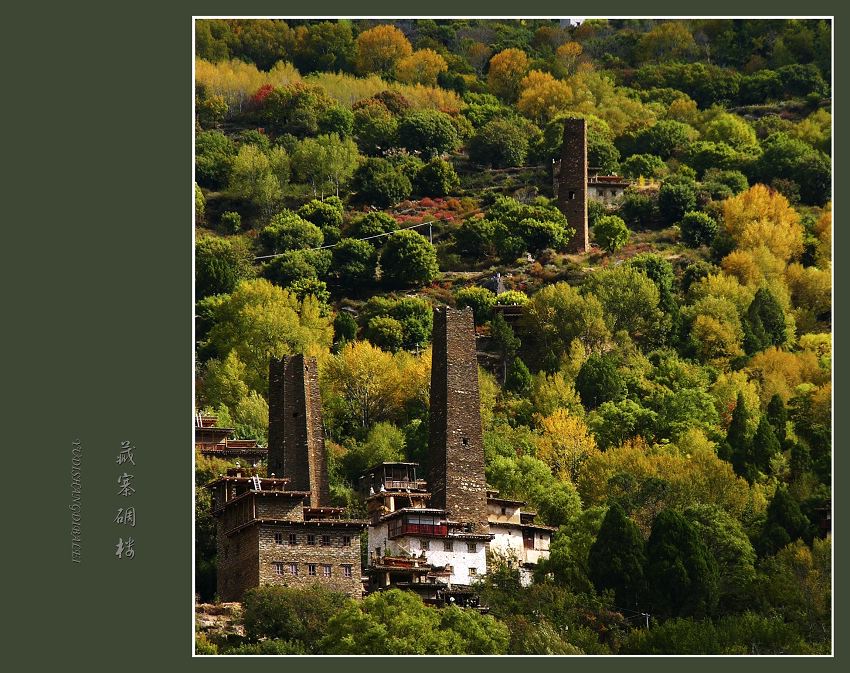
367,238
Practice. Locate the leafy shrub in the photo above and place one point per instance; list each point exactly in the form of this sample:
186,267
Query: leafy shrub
611,233
436,178
480,299
499,143
408,259
697,229
378,182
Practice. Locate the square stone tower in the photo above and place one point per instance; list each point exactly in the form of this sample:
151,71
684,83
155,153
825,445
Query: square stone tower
456,447
296,435
572,182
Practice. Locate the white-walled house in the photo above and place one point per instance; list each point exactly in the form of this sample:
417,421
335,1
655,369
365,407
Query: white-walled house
416,547
516,538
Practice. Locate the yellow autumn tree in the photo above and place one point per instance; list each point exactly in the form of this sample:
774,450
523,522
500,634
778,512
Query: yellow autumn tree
507,68
779,372
421,67
691,471
762,216
543,97
725,393
379,49
668,41
568,56
811,294
478,54
725,286
683,109
364,382
823,230
564,443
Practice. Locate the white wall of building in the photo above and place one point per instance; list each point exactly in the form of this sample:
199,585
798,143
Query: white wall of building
460,558
507,541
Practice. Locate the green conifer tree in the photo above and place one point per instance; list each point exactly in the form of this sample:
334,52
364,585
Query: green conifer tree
616,559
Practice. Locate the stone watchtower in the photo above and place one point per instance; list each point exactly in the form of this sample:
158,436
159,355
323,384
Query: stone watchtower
296,435
456,448
572,182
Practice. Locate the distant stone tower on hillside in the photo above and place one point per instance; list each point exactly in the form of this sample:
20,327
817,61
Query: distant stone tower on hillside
572,183
296,435
456,448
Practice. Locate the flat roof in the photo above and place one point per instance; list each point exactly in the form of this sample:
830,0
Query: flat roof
507,501
330,523
412,510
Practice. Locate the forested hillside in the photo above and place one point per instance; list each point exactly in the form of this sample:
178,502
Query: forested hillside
664,400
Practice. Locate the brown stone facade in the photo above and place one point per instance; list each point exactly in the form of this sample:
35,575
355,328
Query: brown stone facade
296,435
262,531
572,182
237,567
456,448
332,549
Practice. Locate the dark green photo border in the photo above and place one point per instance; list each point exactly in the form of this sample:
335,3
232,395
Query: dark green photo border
97,291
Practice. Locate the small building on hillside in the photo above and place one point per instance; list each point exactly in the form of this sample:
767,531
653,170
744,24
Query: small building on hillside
280,529
607,189
517,540
265,535
212,440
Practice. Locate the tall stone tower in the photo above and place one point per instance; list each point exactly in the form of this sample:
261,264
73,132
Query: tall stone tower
572,182
456,447
296,436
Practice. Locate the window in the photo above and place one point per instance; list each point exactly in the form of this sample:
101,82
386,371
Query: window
613,192
504,510
473,572
311,539
326,540
471,547
278,538
448,545
377,551
293,539
572,196
346,540
293,568
346,570
466,441
326,571
278,568
425,544
600,192
311,569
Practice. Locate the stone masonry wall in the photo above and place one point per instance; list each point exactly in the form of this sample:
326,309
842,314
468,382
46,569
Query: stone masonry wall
336,555
296,435
236,562
456,448
572,188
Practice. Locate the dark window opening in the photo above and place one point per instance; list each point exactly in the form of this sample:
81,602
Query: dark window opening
572,196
